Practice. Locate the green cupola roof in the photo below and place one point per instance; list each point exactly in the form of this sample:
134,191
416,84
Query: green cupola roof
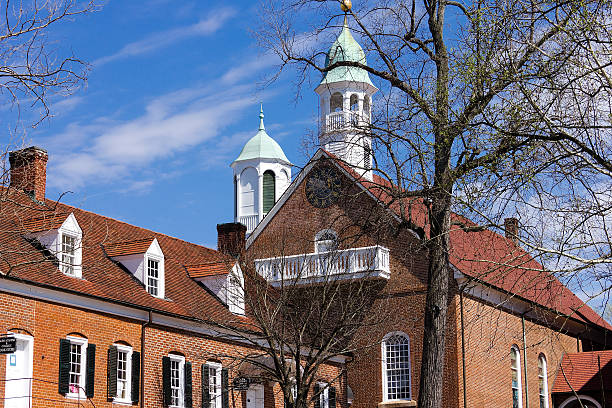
262,146
345,48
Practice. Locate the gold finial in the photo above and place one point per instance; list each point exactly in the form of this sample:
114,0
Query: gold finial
345,5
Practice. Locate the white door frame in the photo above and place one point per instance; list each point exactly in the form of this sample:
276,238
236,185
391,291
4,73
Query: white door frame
30,357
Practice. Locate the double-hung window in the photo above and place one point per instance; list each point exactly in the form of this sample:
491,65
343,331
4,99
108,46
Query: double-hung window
68,255
123,374
177,381
515,364
77,364
214,384
327,396
152,281
396,367
543,381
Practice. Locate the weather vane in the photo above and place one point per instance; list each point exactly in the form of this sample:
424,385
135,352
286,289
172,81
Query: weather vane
345,5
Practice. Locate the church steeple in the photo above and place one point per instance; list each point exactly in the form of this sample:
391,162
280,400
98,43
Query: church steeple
346,104
262,173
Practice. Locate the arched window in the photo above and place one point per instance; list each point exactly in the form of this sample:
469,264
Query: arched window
354,102
515,361
269,190
366,106
326,240
367,156
395,350
543,381
248,192
335,103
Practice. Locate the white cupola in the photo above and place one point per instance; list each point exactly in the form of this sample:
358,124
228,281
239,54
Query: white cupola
346,104
262,173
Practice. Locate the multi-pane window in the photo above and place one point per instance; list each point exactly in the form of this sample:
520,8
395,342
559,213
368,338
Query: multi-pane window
68,254
153,276
76,372
176,382
326,241
324,395
122,374
543,381
396,367
214,385
515,363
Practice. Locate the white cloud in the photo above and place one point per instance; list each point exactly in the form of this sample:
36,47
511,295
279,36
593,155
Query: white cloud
209,25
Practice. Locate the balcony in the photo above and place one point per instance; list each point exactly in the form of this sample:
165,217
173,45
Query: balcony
249,221
342,120
354,263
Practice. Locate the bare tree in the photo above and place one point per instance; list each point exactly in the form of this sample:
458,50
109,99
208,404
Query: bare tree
33,65
488,108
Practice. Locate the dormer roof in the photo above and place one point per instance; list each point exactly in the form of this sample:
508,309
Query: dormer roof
46,222
345,48
209,269
262,146
137,246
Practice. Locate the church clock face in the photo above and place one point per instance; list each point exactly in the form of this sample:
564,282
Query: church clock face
323,186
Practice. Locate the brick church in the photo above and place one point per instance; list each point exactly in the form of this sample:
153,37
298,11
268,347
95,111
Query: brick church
95,312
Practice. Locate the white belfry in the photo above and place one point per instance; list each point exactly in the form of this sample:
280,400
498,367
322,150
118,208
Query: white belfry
346,105
262,173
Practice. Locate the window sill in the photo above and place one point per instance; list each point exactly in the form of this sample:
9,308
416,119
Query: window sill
76,396
397,404
122,401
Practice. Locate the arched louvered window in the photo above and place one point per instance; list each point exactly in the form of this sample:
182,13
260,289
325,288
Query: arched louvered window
366,106
395,351
335,103
354,102
326,241
269,190
543,381
515,364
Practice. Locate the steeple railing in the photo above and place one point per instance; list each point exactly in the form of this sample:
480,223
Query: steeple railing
343,120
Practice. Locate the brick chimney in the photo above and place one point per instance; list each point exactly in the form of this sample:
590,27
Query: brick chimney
29,171
511,226
231,238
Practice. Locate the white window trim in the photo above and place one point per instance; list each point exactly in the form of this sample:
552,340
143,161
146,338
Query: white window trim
518,374
383,350
235,291
542,359
323,394
81,393
181,361
76,267
128,368
161,292
325,242
217,395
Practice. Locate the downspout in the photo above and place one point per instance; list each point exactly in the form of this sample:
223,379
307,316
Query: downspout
525,361
142,359
463,351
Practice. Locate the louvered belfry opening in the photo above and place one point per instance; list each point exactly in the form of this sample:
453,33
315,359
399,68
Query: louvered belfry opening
269,189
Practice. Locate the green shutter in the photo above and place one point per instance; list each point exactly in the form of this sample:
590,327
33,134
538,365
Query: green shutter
64,366
224,389
205,385
166,381
269,184
135,377
90,370
188,386
111,372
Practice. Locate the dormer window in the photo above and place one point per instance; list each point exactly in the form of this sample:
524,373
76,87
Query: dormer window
326,241
61,235
224,280
144,259
153,276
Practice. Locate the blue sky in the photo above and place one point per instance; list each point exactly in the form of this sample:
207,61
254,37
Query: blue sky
172,96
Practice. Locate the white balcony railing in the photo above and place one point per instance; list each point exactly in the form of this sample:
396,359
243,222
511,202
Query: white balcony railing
366,262
249,221
342,120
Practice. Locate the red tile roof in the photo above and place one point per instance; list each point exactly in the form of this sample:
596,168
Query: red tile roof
103,278
138,246
210,269
580,372
488,256
45,222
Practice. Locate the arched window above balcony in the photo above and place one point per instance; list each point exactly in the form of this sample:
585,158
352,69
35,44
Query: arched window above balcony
335,103
366,106
354,102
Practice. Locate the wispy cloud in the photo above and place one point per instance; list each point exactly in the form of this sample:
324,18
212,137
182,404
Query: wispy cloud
207,26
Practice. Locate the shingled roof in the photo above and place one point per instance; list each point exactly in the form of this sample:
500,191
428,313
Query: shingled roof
103,278
587,371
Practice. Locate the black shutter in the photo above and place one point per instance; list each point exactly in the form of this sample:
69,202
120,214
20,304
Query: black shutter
205,386
188,386
331,397
64,366
224,389
166,381
111,372
135,394
317,397
90,370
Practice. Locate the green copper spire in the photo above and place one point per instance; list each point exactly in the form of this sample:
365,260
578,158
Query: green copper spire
262,146
345,48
